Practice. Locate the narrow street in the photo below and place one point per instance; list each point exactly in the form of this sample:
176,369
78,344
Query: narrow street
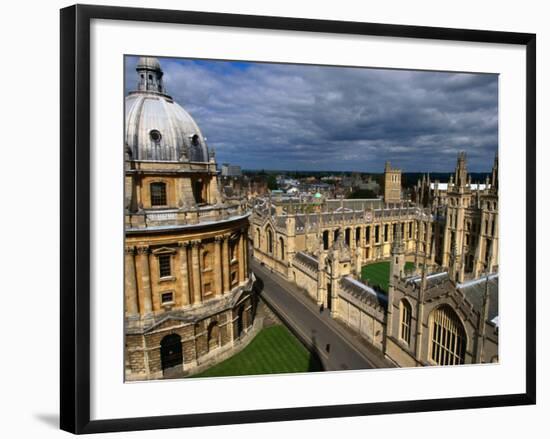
336,345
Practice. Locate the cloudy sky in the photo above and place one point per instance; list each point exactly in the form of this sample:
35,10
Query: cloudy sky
296,117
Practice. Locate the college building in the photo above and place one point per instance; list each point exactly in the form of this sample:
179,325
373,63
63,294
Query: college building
443,311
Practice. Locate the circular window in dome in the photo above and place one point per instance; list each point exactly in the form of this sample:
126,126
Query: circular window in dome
155,135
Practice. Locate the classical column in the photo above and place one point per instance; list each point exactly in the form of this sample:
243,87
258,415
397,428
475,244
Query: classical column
241,256
145,298
195,266
218,264
225,264
183,274
130,288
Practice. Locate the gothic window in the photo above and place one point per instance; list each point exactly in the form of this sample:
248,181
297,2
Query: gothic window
493,227
410,230
367,234
165,265
377,234
325,240
385,232
406,313
158,194
357,235
486,227
282,248
347,236
448,337
269,241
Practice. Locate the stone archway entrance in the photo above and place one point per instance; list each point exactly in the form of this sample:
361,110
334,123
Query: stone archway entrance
171,355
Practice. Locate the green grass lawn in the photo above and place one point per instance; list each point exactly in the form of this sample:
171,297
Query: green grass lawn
273,350
378,274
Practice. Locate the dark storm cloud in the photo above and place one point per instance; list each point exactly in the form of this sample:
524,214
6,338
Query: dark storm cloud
277,116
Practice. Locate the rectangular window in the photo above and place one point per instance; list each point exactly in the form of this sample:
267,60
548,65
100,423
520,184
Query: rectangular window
158,194
167,297
410,230
367,235
385,232
377,234
165,266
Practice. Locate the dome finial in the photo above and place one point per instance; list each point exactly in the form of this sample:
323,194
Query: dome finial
150,75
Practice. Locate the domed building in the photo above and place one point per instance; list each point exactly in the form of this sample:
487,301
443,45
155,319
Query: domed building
188,291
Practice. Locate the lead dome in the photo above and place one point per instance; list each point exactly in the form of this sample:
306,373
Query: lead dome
158,128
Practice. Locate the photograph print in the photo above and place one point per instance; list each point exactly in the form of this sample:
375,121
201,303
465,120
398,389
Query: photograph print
289,218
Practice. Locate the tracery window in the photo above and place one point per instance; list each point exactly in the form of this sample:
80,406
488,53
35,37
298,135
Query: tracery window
448,337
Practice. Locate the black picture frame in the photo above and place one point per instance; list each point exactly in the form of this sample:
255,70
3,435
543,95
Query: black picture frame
75,217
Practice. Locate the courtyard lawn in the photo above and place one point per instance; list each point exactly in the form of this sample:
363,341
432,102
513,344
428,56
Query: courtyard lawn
378,274
273,350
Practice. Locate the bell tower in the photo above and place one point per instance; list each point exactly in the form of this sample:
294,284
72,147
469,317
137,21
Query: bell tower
392,184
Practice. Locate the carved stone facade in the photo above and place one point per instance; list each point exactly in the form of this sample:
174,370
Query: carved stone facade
188,288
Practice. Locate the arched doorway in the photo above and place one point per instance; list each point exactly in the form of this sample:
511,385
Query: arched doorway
170,352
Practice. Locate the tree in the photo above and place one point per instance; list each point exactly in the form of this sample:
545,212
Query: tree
272,183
